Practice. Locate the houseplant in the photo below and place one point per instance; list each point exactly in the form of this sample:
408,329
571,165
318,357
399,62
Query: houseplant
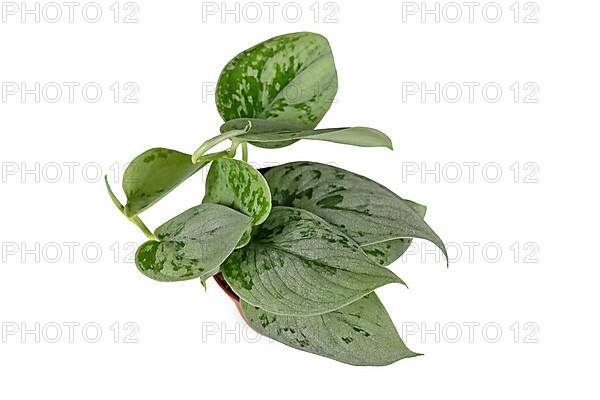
300,247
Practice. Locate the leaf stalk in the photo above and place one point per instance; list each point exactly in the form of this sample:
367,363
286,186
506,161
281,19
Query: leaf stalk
199,156
135,219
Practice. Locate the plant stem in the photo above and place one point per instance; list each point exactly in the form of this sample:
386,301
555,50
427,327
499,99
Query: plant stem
198,155
135,219
233,149
140,224
215,156
245,152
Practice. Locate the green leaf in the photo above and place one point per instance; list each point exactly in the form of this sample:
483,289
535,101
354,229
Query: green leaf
152,175
236,184
289,78
262,126
361,333
298,264
245,237
262,134
193,244
356,136
366,211
385,253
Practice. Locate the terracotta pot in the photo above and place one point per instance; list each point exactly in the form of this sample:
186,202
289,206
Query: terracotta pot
234,297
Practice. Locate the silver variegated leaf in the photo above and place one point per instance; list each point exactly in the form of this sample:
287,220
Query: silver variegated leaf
361,333
152,175
299,264
236,184
385,253
289,78
366,211
193,244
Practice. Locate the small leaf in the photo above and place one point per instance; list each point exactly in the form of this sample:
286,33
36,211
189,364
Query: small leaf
289,78
263,134
366,211
152,175
298,264
361,333
193,244
236,184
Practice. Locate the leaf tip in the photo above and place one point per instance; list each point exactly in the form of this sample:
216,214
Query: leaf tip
387,141
112,195
399,280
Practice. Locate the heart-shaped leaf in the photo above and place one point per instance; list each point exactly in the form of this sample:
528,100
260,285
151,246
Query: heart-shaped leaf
152,175
366,211
266,135
361,333
298,264
289,78
236,184
193,244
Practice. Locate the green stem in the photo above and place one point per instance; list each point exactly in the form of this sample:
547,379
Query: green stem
198,155
215,156
140,224
233,149
135,219
245,152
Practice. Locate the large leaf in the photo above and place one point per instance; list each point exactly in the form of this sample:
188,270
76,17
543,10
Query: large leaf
361,333
387,252
236,184
366,211
152,175
298,264
266,135
193,244
289,78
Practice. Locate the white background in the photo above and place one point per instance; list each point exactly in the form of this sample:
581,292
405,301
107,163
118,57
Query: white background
173,54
